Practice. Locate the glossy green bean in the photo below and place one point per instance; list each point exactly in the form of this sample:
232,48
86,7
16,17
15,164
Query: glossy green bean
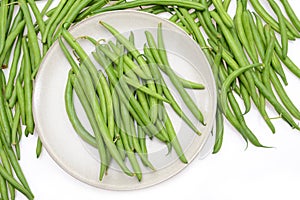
13,182
10,40
109,104
282,27
125,94
278,107
87,12
145,89
219,131
132,49
138,3
15,125
287,102
39,147
207,20
3,188
127,60
38,16
27,89
53,17
291,14
227,82
173,138
13,69
287,61
3,115
249,36
99,139
131,156
222,12
3,22
167,92
57,20
6,164
108,140
78,127
268,18
184,95
46,7
71,16
32,37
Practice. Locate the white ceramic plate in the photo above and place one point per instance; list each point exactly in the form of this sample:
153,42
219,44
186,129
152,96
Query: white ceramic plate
79,159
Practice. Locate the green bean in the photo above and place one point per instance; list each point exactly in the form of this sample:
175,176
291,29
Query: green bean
117,116
78,127
53,17
268,95
46,7
247,132
14,163
108,140
6,164
61,15
50,12
207,20
283,95
265,15
114,57
13,182
291,14
282,27
234,120
173,138
260,44
131,156
87,12
133,105
10,14
167,93
241,31
268,56
71,16
219,131
32,37
21,100
183,20
240,58
228,81
226,4
13,70
97,140
27,89
184,95
142,140
37,15
109,105
3,22
249,35
137,3
132,49
145,89
3,188
3,115
15,125
225,16
10,40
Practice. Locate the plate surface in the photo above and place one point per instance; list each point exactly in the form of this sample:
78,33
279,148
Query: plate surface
79,159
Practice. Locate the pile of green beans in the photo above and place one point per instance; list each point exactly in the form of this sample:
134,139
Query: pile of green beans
233,46
126,104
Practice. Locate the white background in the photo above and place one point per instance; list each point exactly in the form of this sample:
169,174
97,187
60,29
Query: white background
232,174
